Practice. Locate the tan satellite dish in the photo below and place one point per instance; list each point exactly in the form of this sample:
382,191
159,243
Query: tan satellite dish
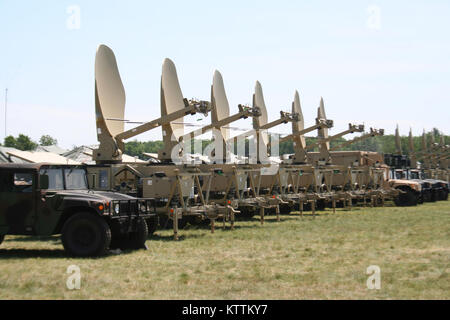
219,101
109,102
171,99
258,102
323,132
110,90
298,126
110,109
398,143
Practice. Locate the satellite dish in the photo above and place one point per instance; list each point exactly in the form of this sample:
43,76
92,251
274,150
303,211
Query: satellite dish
220,105
110,93
171,100
323,132
299,125
258,102
398,143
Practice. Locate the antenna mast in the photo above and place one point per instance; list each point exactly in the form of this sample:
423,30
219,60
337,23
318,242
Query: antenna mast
6,107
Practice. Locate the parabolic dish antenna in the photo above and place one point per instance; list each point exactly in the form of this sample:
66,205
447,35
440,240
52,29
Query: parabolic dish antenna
171,101
323,132
220,105
110,93
299,125
258,102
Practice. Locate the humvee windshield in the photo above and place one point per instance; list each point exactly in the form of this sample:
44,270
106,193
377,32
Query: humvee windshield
415,175
400,175
65,178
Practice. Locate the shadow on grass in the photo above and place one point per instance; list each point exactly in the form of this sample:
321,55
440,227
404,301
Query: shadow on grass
32,253
31,239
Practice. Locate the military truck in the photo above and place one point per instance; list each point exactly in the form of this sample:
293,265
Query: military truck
45,200
412,192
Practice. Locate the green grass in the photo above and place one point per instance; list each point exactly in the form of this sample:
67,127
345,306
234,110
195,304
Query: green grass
297,258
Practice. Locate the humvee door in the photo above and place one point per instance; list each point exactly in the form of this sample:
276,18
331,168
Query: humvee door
17,200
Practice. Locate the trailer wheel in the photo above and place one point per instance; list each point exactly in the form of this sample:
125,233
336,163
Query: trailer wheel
245,213
443,195
406,199
166,223
285,209
86,235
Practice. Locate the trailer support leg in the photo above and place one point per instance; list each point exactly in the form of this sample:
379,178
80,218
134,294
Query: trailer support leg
175,225
213,222
313,207
232,220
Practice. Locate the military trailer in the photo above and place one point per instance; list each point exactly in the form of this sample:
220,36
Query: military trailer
45,200
174,183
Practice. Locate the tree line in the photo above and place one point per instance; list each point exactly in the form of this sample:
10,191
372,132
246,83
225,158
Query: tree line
384,144
25,143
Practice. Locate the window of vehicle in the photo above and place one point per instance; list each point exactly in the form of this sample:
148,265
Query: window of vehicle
55,178
16,182
23,182
103,179
75,179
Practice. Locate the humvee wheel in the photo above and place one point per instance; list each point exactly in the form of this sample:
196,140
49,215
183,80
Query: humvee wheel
285,209
407,199
86,235
137,239
132,240
442,196
428,196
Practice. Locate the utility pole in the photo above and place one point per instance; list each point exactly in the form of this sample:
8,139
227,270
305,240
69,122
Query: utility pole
6,107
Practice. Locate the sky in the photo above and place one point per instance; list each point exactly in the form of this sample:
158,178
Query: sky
380,63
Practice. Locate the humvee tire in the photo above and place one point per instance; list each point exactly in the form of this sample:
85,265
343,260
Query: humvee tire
132,240
2,237
442,196
407,199
137,239
427,196
86,235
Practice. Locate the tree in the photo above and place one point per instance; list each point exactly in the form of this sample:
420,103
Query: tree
22,142
10,142
47,140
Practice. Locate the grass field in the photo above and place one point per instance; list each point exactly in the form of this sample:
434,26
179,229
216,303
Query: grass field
297,258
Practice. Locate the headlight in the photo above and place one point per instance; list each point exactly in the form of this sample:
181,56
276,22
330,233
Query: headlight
117,208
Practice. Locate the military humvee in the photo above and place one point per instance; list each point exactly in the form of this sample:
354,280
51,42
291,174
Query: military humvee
44,200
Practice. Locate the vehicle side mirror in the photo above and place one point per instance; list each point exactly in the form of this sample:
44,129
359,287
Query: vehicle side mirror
43,182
